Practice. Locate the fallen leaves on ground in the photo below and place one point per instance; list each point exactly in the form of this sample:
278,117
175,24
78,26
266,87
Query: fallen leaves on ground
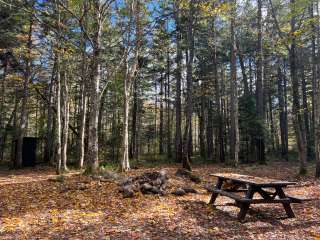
32,206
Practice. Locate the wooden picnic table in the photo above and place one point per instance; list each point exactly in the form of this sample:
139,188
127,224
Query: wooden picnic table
270,190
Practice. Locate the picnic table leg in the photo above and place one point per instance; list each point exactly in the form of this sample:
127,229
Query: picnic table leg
215,195
286,206
244,207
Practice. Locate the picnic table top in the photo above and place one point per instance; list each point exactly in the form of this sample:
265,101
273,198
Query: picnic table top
257,181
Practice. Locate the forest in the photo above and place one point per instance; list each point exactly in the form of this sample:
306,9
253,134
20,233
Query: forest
100,99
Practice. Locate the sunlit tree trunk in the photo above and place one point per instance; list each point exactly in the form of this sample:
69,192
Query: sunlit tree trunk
94,90
65,117
49,146
82,122
58,107
125,164
131,73
83,95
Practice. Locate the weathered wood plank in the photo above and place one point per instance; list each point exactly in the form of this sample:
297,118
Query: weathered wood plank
258,181
230,184
242,199
286,205
215,194
227,194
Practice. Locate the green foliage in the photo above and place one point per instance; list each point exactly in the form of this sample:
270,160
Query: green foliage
249,123
109,166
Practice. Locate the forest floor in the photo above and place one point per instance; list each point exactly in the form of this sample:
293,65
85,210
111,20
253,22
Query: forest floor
34,205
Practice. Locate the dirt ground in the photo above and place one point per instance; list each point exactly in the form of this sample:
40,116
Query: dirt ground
34,205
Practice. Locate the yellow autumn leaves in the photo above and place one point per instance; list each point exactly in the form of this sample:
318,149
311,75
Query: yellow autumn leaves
208,8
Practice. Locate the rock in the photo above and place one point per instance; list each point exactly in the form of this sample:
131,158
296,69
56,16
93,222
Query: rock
145,188
126,181
127,192
164,175
157,182
155,190
179,192
147,183
189,190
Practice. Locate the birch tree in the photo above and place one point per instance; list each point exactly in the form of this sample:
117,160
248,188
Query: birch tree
131,69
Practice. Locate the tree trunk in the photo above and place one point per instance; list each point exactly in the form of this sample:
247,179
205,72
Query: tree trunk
201,117
161,132
187,145
260,146
251,75
24,106
223,117
49,146
14,126
2,110
273,134
131,73
58,107
178,133
133,142
169,151
82,118
65,117
94,91
296,110
282,115
102,112
243,70
125,164
305,110
219,133
209,131
83,94
315,93
234,130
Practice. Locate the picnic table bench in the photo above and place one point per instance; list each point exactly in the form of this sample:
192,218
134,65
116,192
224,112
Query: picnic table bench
270,190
